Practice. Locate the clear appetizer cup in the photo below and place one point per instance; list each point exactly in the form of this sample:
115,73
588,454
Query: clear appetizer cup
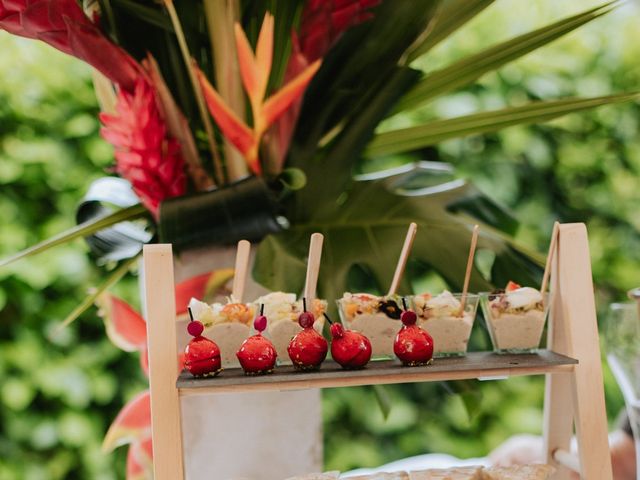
449,325
226,324
282,311
378,318
515,319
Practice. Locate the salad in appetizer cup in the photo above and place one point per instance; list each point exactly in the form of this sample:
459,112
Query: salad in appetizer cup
282,310
446,320
515,318
226,324
378,318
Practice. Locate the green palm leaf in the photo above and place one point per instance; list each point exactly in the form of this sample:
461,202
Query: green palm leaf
471,68
367,231
84,229
451,16
90,299
153,16
407,139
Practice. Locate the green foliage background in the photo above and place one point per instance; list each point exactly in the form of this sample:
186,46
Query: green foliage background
60,390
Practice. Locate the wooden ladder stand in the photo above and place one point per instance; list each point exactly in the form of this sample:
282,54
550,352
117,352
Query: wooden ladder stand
574,394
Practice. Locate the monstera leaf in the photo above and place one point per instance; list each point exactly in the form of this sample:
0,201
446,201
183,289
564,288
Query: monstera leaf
366,232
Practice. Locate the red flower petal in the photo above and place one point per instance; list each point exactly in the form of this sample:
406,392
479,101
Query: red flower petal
200,286
324,21
87,43
15,4
135,470
12,23
193,287
140,460
132,423
63,24
125,327
144,361
146,448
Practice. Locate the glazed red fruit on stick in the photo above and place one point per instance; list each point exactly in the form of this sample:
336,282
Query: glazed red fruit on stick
308,349
257,355
350,349
412,345
202,356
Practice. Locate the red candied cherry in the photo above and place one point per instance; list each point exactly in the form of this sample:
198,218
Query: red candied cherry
257,355
306,319
260,323
412,345
307,349
337,330
195,328
202,356
408,317
350,349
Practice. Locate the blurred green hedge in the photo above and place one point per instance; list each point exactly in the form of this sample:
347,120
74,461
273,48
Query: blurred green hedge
60,390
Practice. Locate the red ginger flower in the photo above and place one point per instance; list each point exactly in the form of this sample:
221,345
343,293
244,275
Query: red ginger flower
145,154
63,25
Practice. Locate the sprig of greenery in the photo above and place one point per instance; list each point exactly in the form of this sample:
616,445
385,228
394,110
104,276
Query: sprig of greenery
82,230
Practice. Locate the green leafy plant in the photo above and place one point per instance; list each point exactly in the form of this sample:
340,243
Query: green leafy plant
374,231
367,79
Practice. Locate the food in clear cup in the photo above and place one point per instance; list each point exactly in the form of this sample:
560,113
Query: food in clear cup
446,322
378,318
226,324
515,318
282,309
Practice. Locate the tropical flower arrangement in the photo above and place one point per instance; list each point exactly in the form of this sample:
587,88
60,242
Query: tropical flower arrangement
250,119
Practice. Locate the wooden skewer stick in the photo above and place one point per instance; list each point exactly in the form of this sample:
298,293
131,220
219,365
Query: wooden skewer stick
552,251
404,256
241,271
313,266
467,274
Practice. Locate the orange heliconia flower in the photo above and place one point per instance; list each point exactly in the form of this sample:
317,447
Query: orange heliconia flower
255,70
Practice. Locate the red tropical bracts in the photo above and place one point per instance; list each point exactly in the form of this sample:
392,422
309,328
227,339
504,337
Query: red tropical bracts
145,154
63,25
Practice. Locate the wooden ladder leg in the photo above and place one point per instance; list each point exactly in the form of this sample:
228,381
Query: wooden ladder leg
558,407
576,321
160,308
